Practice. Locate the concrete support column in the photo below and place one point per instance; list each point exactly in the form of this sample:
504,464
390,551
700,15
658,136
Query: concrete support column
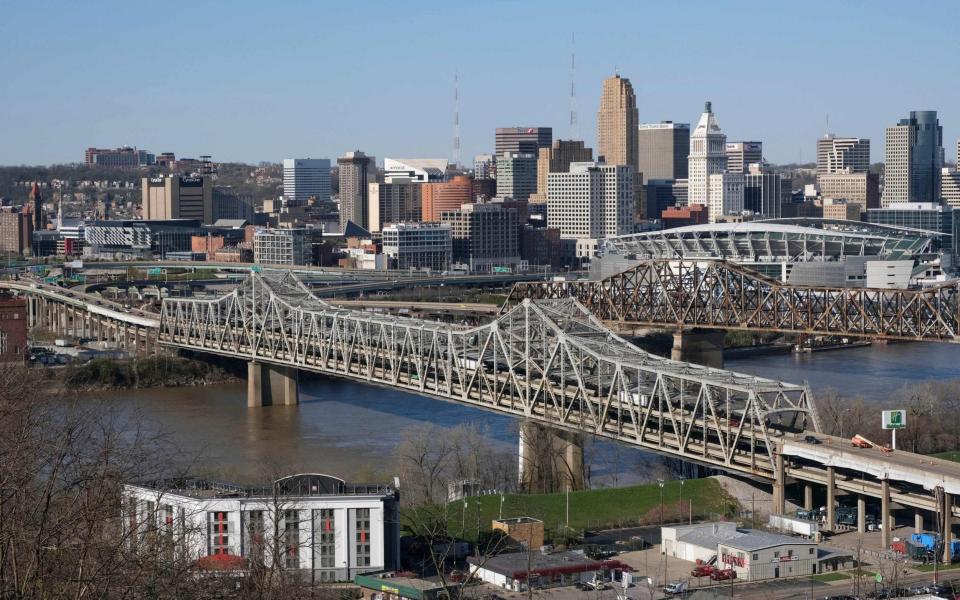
947,534
551,460
861,513
831,499
917,520
807,496
700,346
269,385
779,487
885,516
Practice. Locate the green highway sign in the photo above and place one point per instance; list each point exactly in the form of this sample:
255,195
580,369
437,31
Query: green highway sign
894,419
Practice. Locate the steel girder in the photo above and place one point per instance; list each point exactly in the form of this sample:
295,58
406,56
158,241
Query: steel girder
550,361
724,295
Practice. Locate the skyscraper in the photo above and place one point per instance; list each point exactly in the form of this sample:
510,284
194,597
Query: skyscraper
842,155
357,172
304,178
617,122
175,197
516,175
740,155
556,159
912,159
662,150
591,201
708,156
443,196
525,140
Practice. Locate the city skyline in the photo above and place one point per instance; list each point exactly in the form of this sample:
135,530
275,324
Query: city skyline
256,100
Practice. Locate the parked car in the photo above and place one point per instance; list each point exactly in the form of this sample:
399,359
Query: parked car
812,440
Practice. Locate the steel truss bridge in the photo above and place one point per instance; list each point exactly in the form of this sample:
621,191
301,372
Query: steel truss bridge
549,361
723,295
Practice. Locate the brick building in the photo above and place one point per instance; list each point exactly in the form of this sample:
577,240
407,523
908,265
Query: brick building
13,329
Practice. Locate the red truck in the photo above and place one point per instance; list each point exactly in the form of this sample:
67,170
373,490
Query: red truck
723,574
702,571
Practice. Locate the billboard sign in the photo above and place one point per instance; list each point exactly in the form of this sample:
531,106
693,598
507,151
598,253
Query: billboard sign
894,419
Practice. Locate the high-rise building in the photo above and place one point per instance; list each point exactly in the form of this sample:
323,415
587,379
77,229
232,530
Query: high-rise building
516,175
305,178
522,140
174,197
764,191
913,159
228,204
662,150
284,246
659,195
484,166
950,188
842,155
617,122
120,158
448,195
484,235
421,170
862,189
591,201
356,172
16,231
418,246
726,195
397,202
740,155
708,156
557,159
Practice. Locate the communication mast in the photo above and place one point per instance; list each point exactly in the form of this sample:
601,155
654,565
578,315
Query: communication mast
574,125
457,157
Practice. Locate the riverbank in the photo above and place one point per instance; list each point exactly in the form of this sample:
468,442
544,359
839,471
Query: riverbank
148,372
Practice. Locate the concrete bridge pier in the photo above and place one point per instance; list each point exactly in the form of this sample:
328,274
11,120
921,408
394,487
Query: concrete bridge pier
861,513
947,534
917,520
269,385
551,460
886,518
699,346
779,487
807,496
831,499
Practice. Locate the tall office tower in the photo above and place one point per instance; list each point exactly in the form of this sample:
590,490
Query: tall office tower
740,155
662,150
304,178
765,191
485,236
36,200
357,172
591,201
708,156
913,159
176,197
950,188
396,202
484,166
447,195
957,165
420,170
842,155
617,123
516,175
525,140
556,159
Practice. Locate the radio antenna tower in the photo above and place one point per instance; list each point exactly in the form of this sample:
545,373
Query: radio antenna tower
574,126
457,157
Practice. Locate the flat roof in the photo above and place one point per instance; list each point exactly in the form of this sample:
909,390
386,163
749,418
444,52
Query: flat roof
711,535
515,564
306,485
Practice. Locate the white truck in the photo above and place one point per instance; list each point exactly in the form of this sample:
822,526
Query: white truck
677,587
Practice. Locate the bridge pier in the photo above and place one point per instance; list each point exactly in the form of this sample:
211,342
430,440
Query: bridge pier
861,514
831,499
885,517
807,496
551,460
917,520
699,346
779,488
268,385
947,534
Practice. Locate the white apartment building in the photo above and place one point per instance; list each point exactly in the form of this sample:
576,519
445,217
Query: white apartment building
591,201
418,246
725,195
308,522
708,156
281,247
306,177
950,188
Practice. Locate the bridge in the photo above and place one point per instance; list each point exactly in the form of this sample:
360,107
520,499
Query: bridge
549,361
716,294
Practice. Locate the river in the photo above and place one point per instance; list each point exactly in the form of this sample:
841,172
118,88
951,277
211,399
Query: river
351,429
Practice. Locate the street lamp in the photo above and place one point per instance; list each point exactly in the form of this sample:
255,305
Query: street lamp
681,503
660,483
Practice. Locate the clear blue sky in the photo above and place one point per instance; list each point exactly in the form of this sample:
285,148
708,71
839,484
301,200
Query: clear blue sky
251,81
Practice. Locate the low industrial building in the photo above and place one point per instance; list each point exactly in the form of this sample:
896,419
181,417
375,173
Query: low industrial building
328,528
394,586
515,570
752,553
